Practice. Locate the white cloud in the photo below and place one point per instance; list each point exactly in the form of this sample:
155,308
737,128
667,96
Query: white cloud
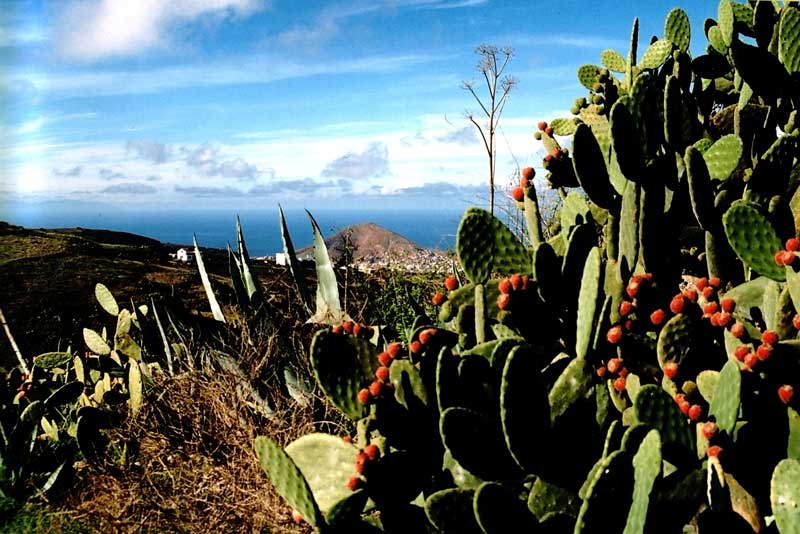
372,162
205,158
149,149
91,30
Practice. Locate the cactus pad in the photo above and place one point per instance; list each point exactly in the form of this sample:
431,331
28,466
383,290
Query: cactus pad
753,239
675,339
450,510
288,480
723,156
789,40
95,342
613,60
707,384
106,299
656,54
409,389
485,246
700,189
726,19
677,29
49,360
647,468
587,75
655,407
588,298
343,365
571,386
605,507
785,496
727,396
498,510
563,127
460,429
793,446
625,136
590,168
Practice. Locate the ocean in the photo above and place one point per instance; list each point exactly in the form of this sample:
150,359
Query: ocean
215,227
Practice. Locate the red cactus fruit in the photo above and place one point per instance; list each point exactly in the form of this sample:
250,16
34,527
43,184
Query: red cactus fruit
793,244
770,337
382,373
354,483
525,281
633,288
671,370
788,257
348,326
625,308
504,301
677,304
786,392
701,283
613,365
415,346
763,352
385,359
518,194
691,294
737,330
679,398
347,439
361,458
714,282
714,319
728,305
372,451
375,388
297,517
542,126
426,335
710,309
601,371
360,468
451,283
779,258
614,334
708,292
695,412
548,158
741,351
629,325
623,372
363,396
358,329
528,173
750,360
714,451
709,429
796,321
724,319
619,384
438,299
657,317
516,281
337,330
548,131
504,286
394,349
684,407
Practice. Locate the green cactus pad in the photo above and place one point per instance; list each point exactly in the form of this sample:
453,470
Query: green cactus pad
590,168
760,69
785,496
485,245
345,512
753,239
676,339
727,397
793,446
677,29
582,240
655,407
623,131
106,299
613,60
524,406
707,384
409,389
484,350
545,498
716,40
288,480
49,360
723,156
572,385
461,429
771,173
588,298
66,394
632,53
678,120
608,492
451,510
447,389
789,40
725,20
647,468
563,126
466,295
499,510
326,462
656,54
343,365
701,191
574,211
587,75
629,227
95,342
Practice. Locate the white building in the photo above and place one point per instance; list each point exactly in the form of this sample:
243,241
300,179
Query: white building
280,258
186,256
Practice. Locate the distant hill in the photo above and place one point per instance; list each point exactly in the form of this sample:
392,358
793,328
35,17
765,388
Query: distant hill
367,240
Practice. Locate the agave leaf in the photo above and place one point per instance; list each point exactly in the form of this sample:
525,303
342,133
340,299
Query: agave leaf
328,308
212,299
294,264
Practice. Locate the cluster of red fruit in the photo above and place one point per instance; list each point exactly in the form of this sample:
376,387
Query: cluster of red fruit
423,339
614,366
364,458
692,411
381,382
786,257
627,308
509,286
751,358
353,328
451,284
526,177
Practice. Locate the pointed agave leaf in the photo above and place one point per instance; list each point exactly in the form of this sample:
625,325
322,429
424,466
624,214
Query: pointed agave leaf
106,299
294,264
328,308
248,278
95,342
135,388
212,299
167,351
236,278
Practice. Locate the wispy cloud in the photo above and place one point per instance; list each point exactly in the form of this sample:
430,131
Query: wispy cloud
130,188
149,149
372,162
566,40
91,30
205,158
209,192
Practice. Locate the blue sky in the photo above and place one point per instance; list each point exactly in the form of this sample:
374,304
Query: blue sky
242,103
